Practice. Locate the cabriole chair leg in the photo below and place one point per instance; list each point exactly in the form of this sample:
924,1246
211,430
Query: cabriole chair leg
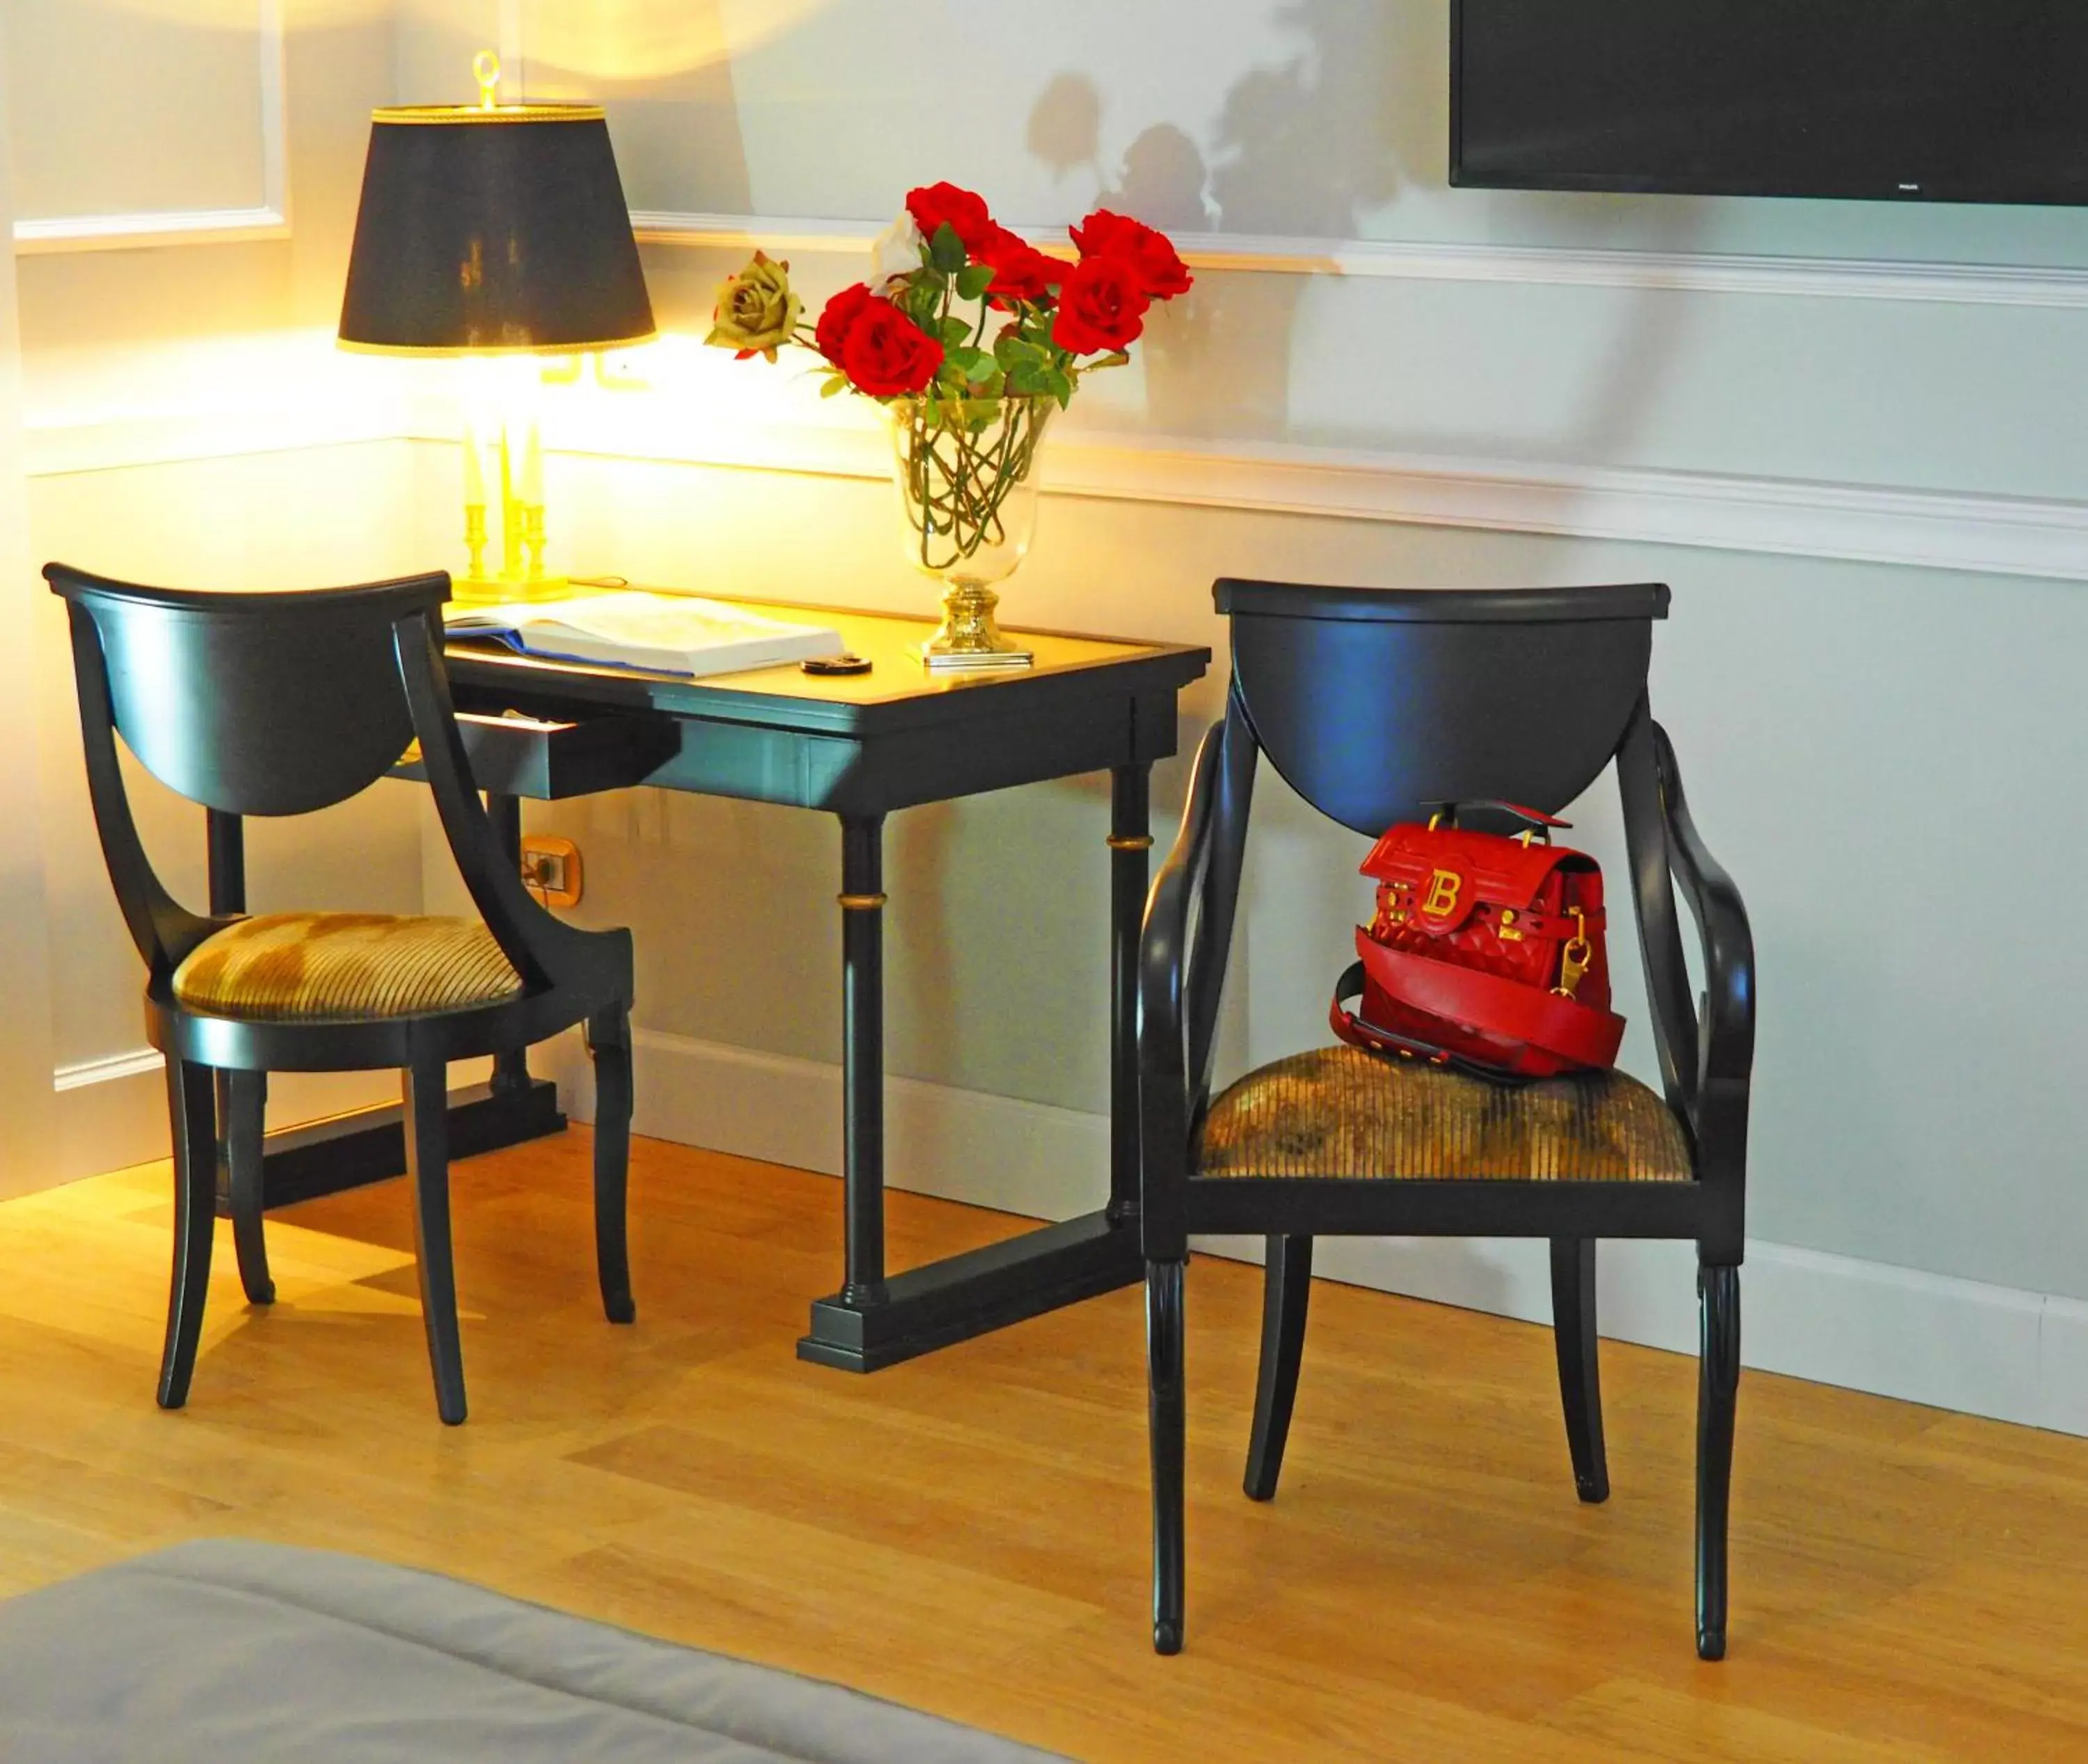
1286,1290
609,1039
1718,1392
427,1097
192,1115
244,1094
1166,1408
1580,1377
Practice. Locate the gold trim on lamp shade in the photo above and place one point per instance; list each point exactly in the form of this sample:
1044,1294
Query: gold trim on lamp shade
501,113
490,349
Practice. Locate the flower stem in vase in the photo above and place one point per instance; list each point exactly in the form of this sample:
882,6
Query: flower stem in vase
966,473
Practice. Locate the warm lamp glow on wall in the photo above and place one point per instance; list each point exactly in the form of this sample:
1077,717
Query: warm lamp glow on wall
495,230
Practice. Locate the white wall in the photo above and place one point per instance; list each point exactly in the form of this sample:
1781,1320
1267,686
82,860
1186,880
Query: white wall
25,1035
187,420
1843,433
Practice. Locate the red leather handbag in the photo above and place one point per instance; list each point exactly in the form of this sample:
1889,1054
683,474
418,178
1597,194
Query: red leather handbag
1487,952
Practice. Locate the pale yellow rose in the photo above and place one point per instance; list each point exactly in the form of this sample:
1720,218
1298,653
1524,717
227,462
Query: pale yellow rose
757,311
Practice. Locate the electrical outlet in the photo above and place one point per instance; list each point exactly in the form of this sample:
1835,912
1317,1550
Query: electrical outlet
551,869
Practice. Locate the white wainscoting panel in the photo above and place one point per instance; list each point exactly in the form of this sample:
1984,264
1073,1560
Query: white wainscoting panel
1897,1332
270,220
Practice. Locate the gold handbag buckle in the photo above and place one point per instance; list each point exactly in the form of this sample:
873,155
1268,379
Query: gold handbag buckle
1573,960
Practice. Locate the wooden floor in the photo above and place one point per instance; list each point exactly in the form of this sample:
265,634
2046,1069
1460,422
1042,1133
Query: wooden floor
968,1532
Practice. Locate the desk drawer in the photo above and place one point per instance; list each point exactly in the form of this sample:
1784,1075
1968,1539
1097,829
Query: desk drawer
516,756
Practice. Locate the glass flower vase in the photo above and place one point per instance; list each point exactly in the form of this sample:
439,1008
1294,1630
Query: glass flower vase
967,475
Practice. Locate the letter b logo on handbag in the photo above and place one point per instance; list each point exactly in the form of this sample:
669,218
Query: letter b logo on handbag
1442,901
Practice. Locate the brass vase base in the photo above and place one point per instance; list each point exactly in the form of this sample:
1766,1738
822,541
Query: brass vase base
967,639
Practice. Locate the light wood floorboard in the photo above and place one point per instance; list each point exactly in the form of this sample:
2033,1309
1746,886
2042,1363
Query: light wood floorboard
968,1533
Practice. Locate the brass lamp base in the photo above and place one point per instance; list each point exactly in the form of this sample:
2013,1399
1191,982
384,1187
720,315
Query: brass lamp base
499,591
967,639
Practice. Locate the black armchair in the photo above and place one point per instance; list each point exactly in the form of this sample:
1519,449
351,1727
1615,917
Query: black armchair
1371,703
280,703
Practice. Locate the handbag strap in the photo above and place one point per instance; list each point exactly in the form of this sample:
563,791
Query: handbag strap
1447,809
1359,1031
1574,1032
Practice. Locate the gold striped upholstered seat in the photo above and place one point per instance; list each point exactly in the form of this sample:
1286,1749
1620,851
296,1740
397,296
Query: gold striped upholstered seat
344,966
1339,1111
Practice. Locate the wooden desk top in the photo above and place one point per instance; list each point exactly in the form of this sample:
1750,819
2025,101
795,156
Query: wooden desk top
897,693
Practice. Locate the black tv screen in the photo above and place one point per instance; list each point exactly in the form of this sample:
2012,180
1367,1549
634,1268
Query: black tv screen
1935,101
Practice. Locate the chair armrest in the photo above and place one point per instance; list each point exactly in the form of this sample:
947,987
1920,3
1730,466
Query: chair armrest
545,951
1726,1019
1181,956
1163,960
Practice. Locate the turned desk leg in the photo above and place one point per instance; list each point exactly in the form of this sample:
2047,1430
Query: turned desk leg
1131,847
878,1320
862,1056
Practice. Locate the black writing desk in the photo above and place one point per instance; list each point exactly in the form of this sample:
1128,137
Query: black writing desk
860,748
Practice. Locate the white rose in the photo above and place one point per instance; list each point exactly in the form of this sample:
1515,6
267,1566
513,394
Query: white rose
895,251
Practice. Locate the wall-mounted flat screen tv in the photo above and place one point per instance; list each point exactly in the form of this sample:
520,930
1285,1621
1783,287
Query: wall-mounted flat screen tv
1935,101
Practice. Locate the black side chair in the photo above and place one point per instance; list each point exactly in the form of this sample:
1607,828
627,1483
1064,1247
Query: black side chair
280,703
1371,703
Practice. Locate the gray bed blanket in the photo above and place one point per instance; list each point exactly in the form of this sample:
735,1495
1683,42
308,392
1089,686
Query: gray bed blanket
228,1651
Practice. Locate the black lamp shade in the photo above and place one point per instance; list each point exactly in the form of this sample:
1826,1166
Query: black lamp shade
490,230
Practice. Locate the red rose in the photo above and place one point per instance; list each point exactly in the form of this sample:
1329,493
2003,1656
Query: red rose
1160,271
834,321
1021,271
933,204
884,351
1101,307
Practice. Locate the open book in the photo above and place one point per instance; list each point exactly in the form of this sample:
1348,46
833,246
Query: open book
659,633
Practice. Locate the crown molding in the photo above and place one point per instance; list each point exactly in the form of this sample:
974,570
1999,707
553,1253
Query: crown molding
1999,284
1974,533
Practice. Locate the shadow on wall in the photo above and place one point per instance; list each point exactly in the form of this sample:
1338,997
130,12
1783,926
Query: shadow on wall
662,71
1300,151
1304,152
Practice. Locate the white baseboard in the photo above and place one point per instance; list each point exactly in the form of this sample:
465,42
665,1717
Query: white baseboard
112,1112
1897,1332
992,1151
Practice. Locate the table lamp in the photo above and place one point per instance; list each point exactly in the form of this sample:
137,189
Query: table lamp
494,230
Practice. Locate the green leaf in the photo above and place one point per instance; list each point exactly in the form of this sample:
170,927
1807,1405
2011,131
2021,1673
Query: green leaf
1012,349
973,280
954,333
835,383
946,251
1029,379
975,364
1059,384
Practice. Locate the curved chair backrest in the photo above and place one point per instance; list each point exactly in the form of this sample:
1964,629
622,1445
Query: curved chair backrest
1373,702
253,703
